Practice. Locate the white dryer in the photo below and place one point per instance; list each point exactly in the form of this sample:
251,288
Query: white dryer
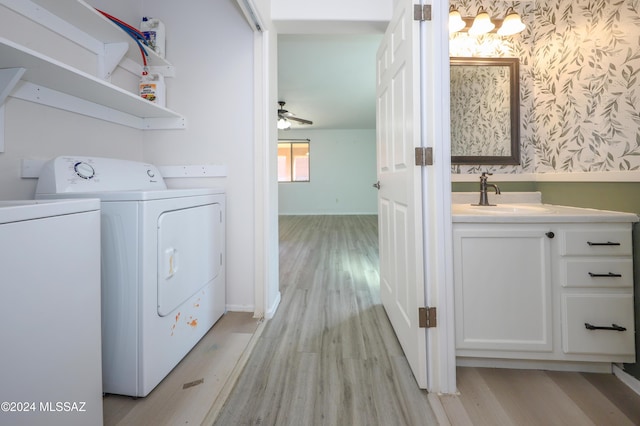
163,264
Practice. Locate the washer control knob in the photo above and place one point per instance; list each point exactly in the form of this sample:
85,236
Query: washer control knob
84,170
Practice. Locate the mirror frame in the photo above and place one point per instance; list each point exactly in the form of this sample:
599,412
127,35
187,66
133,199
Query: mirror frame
514,86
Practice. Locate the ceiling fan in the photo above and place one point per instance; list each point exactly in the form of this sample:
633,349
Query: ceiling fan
285,116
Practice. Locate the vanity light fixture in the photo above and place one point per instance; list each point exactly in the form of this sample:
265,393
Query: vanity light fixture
483,24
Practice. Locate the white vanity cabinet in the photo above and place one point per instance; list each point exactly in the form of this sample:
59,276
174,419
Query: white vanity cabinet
544,290
502,279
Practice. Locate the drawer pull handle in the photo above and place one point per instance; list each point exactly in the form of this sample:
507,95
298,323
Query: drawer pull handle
613,327
608,243
609,275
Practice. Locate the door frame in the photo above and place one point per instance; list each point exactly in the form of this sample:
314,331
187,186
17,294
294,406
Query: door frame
440,340
435,119
265,150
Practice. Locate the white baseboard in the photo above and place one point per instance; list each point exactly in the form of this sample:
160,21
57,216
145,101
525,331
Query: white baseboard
584,367
321,213
240,308
627,378
271,311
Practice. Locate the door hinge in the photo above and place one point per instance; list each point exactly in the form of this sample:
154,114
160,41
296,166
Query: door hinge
427,317
424,156
421,12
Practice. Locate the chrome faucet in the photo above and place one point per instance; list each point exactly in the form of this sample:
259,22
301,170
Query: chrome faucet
484,199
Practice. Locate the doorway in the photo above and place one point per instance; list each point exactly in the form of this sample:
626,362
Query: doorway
438,215
330,80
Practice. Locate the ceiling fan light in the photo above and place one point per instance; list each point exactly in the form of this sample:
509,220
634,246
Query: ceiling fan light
283,123
512,23
456,23
482,23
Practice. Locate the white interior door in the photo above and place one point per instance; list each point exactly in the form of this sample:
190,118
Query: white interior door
414,203
399,196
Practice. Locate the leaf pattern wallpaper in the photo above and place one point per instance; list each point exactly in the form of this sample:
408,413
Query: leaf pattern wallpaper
579,87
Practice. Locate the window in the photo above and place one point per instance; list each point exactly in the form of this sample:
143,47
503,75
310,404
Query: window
293,161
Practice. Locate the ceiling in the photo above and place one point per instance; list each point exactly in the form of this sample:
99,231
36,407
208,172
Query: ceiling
329,79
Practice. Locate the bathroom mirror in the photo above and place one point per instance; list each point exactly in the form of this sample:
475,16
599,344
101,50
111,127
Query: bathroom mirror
485,111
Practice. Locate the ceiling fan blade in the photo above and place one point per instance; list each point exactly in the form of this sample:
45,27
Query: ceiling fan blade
286,115
299,120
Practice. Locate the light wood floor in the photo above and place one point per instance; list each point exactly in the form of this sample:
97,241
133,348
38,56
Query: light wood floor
495,397
329,357
187,394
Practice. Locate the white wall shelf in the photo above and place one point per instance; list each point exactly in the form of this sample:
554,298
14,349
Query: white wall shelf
83,24
53,83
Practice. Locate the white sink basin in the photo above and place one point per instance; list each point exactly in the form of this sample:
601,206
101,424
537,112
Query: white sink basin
503,209
532,212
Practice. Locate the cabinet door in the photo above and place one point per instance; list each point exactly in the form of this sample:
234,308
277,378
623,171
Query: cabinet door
503,288
594,240
614,311
596,272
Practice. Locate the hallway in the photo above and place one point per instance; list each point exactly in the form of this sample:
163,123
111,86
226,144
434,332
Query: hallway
329,356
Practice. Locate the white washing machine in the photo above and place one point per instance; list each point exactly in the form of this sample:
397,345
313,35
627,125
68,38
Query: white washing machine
50,313
163,264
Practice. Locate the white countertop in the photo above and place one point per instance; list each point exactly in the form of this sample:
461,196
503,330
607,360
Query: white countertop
526,207
19,210
534,213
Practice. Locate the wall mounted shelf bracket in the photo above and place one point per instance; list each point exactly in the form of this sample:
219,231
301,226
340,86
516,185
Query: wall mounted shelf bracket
9,77
110,57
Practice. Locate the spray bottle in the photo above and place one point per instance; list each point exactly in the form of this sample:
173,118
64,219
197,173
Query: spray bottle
152,88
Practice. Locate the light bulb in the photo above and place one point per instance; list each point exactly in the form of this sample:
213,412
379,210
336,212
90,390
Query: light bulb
512,23
283,124
482,23
455,20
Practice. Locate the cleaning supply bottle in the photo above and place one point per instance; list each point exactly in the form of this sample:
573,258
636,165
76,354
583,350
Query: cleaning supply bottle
152,88
154,32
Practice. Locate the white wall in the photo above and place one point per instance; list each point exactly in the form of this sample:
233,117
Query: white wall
329,10
343,170
331,16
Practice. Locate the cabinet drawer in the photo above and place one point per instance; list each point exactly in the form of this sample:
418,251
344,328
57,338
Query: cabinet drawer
598,310
599,272
601,242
